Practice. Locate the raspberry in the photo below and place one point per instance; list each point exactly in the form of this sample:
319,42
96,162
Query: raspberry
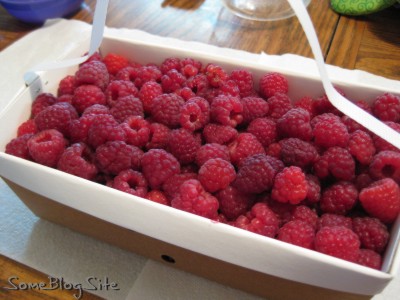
386,107
233,202
305,214
260,219
147,93
279,104
145,74
131,182
385,164
244,81
183,145
46,147
329,133
79,128
19,146
118,89
243,146
363,180
171,63
57,117
41,102
128,73
274,150
194,199
137,131
172,184
227,110
361,146
313,190
157,196
381,144
198,84
78,160
339,198
95,56
328,219
126,107
220,134
255,175
275,163
373,233
381,200
298,233
229,88
298,153
264,129
159,135
306,103
93,72
166,109
325,117
116,156
96,109
338,241
283,211
66,86
65,98
370,259
209,151
115,62
322,105
337,162
172,81
157,166
216,174
190,67
273,83
99,134
295,123
253,108
185,93
27,127
195,114
290,186
216,75
86,96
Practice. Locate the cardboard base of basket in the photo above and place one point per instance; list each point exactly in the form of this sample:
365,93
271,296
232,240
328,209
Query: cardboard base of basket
228,274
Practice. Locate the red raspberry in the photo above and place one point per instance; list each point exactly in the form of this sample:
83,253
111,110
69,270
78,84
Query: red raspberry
198,84
186,93
274,150
166,109
157,166
173,183
95,56
216,75
66,86
171,63
279,104
93,72
243,146
255,175
183,144
97,109
41,102
27,127
159,135
145,74
79,128
115,62
322,105
137,131
216,174
99,134
298,233
328,219
273,83
194,199
305,214
211,150
128,73
337,162
86,96
325,117
147,93
338,241
116,156
313,190
118,89
126,107
306,103
381,144
290,185
157,196
65,98
260,219
253,108
19,146
283,211
190,67
264,129
229,88
339,198
363,180
131,182
295,123
381,200
195,114
244,80
57,117
298,153
227,110
233,203
46,147
385,164
373,234
78,160
387,107
361,146
220,134
329,133
172,81
275,163
370,259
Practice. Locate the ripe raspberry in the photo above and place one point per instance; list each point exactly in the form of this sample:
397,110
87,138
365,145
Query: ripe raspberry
244,81
131,182
361,146
255,175
66,86
295,123
274,150
183,144
329,133
339,198
305,214
27,127
211,150
173,183
337,162
290,185
264,129
338,241
325,117
19,146
273,83
79,128
99,134
313,190
381,200
46,147
190,67
126,107
306,103
198,84
298,233
145,74
116,156
159,135
172,81
194,199
216,174
328,219
322,105
298,153
115,62
233,202
381,144
86,96
387,107
118,89
279,104
171,63
157,196
166,109
93,72
216,75
96,109
65,98
157,166
137,131
128,73
385,164
147,93
185,93
229,88
260,219
227,110
283,211
253,108
78,160
220,134
363,180
373,234
275,163
41,102
195,114
243,146
370,259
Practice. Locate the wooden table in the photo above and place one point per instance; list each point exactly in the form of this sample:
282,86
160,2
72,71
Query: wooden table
370,43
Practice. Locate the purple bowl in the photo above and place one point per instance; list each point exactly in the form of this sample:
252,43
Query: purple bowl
38,11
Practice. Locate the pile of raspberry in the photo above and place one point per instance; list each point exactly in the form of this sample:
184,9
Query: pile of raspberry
220,145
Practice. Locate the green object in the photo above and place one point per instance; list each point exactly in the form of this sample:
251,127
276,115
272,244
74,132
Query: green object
360,7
